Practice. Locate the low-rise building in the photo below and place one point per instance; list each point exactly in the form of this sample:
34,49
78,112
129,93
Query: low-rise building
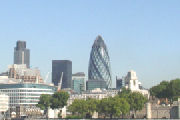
4,102
25,95
93,84
96,94
78,82
26,75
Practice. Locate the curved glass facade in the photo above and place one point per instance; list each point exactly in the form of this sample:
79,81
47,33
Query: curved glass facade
99,63
25,94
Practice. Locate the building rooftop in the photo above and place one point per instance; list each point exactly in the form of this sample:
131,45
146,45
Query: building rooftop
79,74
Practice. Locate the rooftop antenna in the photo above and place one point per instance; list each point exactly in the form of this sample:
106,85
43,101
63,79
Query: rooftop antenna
60,82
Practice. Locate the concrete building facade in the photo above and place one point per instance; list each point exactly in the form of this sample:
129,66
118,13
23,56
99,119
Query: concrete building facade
24,74
95,93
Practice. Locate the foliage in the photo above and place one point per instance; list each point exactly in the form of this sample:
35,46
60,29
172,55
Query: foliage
136,101
78,107
124,106
44,102
83,108
161,90
174,89
91,106
104,107
59,99
73,117
113,107
167,89
124,92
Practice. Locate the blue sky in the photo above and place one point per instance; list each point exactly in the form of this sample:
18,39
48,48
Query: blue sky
143,35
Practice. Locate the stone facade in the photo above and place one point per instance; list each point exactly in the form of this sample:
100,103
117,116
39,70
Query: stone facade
155,111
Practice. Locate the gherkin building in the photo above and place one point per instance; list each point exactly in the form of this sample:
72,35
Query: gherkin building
99,71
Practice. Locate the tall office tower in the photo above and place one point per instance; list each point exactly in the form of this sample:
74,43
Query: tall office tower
59,68
21,54
99,71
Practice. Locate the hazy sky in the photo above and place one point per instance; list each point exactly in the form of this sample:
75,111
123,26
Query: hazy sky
143,35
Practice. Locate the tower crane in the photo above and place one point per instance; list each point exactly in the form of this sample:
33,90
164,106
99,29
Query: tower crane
60,82
46,78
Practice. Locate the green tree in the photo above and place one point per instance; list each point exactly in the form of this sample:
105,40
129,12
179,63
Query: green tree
113,107
103,107
44,102
59,99
174,89
124,93
161,90
119,106
79,108
124,106
165,89
91,106
136,101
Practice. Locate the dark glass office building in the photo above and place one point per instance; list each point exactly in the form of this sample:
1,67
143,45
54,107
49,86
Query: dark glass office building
59,66
21,54
119,83
99,66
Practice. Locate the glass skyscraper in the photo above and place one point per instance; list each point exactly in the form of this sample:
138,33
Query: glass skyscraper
99,70
21,54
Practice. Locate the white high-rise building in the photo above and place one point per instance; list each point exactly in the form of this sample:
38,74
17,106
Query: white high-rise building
132,83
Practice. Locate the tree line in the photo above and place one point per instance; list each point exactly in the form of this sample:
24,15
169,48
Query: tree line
167,89
112,107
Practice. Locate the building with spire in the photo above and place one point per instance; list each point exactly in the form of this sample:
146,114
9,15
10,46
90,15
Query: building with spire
99,71
21,54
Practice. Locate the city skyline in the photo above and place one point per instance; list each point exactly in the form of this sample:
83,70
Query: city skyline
141,35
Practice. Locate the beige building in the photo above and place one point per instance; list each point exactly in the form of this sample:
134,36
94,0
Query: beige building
4,102
26,75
